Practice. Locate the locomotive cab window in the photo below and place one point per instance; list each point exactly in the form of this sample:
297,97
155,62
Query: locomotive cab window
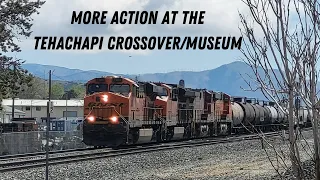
120,88
94,88
134,91
162,92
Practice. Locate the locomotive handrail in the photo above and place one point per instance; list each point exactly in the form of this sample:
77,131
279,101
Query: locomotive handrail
164,123
127,124
191,109
151,108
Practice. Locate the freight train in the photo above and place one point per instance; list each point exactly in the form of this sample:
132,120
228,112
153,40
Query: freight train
120,111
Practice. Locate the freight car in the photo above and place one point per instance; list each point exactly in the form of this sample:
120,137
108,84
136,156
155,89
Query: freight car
120,111
254,115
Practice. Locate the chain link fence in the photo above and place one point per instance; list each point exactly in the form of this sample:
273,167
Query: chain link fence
35,141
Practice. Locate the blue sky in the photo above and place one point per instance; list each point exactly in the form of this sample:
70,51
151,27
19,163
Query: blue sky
221,19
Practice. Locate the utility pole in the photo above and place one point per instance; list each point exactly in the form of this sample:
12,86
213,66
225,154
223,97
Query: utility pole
49,107
12,110
65,122
44,82
31,109
13,91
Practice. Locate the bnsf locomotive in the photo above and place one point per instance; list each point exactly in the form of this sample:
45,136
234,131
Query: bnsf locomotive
121,111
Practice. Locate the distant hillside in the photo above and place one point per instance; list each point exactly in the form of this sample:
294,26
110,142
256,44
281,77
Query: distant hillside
62,73
225,78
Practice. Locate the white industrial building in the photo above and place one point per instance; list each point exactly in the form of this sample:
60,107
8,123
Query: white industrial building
37,108
6,114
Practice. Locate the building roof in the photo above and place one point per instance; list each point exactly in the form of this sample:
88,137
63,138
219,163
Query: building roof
8,110
41,102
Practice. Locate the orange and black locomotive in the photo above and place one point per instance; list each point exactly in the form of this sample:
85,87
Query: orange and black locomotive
121,111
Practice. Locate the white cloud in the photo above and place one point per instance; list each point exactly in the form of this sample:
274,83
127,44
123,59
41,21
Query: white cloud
221,18
220,14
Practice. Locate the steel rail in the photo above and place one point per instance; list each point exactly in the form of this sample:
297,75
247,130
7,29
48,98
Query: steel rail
32,155
29,163
16,165
4,157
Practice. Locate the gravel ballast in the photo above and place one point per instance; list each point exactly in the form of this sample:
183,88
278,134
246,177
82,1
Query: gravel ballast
238,160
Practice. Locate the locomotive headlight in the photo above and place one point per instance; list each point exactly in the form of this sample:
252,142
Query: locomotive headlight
105,98
114,119
91,118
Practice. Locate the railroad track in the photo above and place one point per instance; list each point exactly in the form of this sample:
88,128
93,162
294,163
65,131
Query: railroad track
92,154
5,158
34,156
15,156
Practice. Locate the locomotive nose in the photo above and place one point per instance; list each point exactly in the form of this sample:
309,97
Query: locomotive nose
103,98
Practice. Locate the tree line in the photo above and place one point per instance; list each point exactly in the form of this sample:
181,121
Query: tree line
15,82
39,89
15,23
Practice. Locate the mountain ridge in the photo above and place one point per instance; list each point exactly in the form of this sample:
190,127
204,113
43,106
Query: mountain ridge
225,78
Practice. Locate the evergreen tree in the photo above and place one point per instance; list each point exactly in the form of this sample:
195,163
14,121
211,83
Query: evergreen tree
15,22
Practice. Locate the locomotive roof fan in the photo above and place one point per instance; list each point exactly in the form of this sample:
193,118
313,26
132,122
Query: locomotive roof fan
100,79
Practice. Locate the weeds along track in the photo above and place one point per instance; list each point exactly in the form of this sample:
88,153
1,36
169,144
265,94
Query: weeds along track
32,161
